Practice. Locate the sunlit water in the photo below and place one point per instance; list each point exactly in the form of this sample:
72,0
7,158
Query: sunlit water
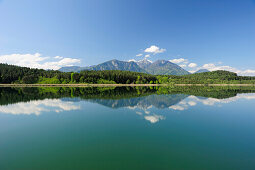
154,131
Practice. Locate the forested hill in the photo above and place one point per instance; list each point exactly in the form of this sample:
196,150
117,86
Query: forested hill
22,75
12,74
15,74
214,77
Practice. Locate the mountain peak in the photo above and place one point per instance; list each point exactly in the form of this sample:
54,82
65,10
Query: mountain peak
162,62
145,60
164,67
144,63
118,65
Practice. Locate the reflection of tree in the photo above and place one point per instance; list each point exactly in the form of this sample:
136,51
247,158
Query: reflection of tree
219,92
120,96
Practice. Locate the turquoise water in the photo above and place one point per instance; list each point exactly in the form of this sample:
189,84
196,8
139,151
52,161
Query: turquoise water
127,129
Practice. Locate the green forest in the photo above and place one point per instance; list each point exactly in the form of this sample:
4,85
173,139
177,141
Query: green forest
10,74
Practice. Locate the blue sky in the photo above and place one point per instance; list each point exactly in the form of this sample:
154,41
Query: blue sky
54,33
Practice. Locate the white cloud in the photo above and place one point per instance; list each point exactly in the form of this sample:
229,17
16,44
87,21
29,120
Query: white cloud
193,71
132,60
248,72
213,67
58,57
147,56
179,60
192,65
154,49
38,61
139,55
182,62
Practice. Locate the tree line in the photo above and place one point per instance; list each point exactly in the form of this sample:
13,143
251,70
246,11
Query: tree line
10,74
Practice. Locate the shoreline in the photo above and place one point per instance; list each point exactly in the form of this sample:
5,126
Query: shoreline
117,85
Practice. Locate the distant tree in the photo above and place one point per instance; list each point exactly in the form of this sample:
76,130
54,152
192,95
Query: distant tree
29,79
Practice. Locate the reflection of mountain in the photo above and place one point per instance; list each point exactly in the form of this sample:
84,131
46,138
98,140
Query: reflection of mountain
164,101
158,101
146,102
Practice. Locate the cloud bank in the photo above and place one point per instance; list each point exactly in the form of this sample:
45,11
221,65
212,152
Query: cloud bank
179,60
182,62
38,61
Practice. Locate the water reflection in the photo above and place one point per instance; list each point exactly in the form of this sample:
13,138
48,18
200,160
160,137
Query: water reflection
145,102
193,100
127,128
39,106
182,104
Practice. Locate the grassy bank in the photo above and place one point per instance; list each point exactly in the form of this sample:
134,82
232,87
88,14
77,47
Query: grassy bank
116,85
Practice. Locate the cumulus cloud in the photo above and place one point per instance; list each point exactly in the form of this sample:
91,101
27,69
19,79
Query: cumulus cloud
132,60
38,61
192,65
154,49
213,67
58,57
179,60
139,55
147,56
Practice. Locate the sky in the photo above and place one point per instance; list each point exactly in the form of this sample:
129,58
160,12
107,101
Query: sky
195,34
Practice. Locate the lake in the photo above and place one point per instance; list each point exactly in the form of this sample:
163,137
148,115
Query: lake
127,128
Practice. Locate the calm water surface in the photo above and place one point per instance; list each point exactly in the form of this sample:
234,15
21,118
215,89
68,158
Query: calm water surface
127,128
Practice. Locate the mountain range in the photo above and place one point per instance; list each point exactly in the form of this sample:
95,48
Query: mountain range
159,67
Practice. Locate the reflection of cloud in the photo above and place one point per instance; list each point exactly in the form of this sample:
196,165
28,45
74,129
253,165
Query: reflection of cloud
139,113
37,107
154,118
177,107
140,106
192,101
213,101
146,114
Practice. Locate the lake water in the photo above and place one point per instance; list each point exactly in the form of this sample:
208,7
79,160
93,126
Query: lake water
127,128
